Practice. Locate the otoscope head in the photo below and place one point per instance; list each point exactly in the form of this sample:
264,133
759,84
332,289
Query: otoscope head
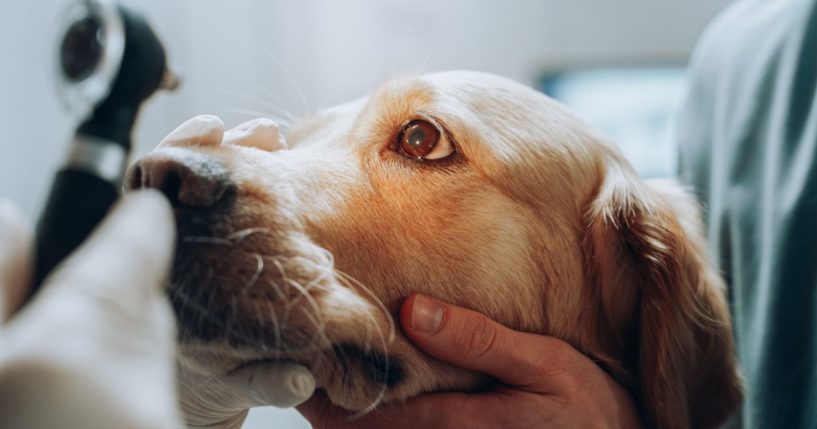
111,61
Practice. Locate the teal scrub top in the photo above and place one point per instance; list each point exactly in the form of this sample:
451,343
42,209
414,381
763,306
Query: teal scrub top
748,141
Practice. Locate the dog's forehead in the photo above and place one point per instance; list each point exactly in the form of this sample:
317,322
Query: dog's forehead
452,88
333,120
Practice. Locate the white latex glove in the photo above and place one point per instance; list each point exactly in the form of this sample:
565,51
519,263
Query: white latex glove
95,348
223,402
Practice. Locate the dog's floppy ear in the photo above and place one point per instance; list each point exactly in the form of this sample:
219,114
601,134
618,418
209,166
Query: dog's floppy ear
645,243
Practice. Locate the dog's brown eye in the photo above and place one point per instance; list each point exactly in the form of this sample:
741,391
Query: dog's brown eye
422,140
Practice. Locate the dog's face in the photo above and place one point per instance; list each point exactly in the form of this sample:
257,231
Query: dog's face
462,186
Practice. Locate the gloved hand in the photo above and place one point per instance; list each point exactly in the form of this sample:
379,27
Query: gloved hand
223,402
95,347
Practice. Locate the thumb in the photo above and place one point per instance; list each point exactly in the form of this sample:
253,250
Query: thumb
128,254
111,287
222,402
280,384
471,340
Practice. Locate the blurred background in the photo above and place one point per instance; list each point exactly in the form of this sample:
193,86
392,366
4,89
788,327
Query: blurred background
618,64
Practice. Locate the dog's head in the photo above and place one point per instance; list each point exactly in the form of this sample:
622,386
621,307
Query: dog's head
462,186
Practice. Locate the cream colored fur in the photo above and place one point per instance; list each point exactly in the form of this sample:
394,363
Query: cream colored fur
535,221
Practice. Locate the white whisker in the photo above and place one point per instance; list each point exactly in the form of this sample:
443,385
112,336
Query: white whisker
374,298
244,233
428,57
277,290
320,328
259,268
309,299
284,278
257,113
385,386
288,75
275,98
260,317
274,108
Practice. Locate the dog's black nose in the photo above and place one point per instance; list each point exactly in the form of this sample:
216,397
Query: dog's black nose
189,179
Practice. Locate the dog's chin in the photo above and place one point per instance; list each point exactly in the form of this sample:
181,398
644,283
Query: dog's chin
354,368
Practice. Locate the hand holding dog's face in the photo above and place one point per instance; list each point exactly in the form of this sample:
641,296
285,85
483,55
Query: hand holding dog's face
541,380
462,186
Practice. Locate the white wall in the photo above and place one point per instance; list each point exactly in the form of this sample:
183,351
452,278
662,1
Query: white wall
299,55
248,54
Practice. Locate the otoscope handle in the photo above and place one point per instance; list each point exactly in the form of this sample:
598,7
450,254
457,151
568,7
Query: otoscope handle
77,203
83,192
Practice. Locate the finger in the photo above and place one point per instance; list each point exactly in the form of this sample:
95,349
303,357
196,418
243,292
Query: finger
280,384
129,253
470,340
261,133
202,130
223,402
15,255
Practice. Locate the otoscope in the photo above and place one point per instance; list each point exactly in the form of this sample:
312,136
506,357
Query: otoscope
110,62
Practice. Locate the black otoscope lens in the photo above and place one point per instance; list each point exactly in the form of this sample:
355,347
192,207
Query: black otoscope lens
81,48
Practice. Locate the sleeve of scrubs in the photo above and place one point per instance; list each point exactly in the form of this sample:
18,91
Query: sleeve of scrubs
748,141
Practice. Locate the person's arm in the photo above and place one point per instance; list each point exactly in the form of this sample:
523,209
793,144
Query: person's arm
544,382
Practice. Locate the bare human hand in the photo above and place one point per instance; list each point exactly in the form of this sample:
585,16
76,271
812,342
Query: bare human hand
543,381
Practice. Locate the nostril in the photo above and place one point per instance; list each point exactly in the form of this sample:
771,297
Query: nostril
134,179
171,186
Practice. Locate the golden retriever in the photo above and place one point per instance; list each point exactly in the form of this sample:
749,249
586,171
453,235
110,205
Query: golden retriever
463,186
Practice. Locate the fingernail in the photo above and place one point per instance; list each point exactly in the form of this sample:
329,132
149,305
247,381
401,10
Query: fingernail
302,385
426,314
